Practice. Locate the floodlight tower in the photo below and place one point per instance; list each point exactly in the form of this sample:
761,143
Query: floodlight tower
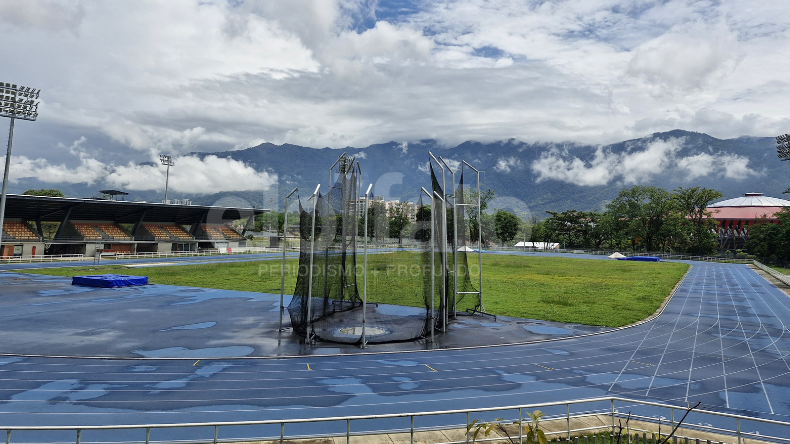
16,102
783,150
167,161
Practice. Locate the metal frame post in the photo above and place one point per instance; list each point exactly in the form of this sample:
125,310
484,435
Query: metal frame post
479,237
285,245
739,430
613,416
365,268
455,241
445,299
568,419
433,270
411,430
308,334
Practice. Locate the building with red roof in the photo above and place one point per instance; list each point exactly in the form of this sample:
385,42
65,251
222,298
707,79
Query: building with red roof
736,216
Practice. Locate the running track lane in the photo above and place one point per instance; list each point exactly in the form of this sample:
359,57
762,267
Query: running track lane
721,340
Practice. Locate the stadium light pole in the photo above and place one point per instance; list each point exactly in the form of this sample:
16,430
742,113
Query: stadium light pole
16,102
783,151
167,161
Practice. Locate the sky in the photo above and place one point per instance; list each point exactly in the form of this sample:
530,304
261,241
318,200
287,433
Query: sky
123,81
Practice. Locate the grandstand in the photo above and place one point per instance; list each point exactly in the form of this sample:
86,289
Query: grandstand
84,226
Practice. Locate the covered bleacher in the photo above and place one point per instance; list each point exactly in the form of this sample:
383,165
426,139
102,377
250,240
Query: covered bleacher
84,226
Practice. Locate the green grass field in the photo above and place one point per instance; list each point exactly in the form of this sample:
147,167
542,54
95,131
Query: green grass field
584,291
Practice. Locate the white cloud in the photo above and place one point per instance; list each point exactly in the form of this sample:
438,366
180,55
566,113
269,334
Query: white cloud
557,164
505,164
688,57
190,174
731,166
193,75
637,165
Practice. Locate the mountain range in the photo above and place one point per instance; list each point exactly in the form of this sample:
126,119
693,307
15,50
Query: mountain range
527,178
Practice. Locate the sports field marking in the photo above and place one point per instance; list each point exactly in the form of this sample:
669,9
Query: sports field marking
308,367
196,362
547,368
431,368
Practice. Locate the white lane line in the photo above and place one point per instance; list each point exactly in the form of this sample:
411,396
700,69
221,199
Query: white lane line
696,334
669,341
721,343
775,316
746,340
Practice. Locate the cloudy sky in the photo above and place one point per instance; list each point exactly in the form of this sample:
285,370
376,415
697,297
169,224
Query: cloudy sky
124,80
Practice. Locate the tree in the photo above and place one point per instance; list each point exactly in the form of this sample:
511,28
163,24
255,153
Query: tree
470,198
692,203
771,241
265,221
422,231
567,227
398,221
48,192
506,226
645,210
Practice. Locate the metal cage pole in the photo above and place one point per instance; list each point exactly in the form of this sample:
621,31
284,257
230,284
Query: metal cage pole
445,299
433,271
455,242
479,236
285,245
365,267
308,334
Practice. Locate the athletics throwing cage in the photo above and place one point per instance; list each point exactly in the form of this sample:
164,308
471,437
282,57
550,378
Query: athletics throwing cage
396,294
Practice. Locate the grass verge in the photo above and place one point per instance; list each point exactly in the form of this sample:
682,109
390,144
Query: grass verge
583,291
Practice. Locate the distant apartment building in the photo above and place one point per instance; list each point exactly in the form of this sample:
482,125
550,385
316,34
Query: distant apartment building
409,208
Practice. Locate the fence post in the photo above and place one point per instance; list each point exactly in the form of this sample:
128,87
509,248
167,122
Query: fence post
672,418
520,427
79,435
568,419
348,431
216,433
467,427
412,430
147,435
739,430
612,416
7,437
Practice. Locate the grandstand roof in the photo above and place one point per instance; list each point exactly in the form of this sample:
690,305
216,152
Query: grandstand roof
752,200
54,209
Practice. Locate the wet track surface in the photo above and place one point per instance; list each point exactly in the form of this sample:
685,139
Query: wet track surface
721,340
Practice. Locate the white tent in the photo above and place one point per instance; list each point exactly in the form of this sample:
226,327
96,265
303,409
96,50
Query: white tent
466,249
616,255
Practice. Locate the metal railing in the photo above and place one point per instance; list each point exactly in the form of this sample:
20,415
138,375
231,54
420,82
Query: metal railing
605,407
43,258
785,279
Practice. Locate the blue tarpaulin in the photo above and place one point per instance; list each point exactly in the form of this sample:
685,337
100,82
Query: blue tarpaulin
109,280
640,258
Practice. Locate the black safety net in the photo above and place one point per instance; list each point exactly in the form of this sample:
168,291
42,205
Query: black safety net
467,296
328,302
